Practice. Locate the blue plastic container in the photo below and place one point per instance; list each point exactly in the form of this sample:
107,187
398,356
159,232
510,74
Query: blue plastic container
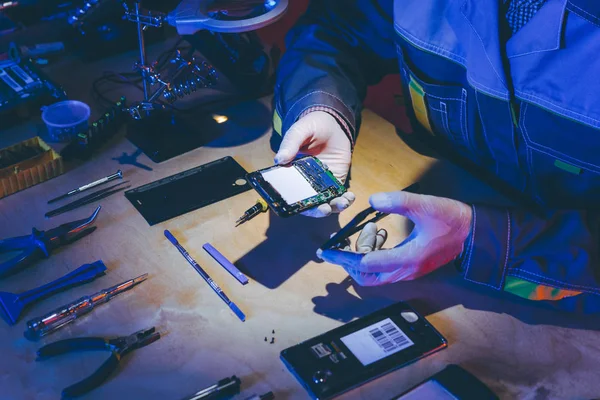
66,119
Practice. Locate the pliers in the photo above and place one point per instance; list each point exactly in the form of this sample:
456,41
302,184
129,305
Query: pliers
119,347
40,244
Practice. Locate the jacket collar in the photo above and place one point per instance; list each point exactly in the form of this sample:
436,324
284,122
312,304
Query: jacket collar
542,33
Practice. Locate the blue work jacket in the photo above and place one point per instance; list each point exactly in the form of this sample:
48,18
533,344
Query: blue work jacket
526,109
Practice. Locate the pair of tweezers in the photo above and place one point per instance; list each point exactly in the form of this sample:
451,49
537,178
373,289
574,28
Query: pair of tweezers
90,198
355,224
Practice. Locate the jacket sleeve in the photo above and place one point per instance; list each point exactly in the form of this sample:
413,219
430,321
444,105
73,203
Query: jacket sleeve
333,53
554,258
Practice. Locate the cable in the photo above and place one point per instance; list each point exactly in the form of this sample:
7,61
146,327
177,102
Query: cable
134,79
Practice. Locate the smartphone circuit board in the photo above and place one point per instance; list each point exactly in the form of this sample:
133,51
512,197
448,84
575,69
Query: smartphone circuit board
299,186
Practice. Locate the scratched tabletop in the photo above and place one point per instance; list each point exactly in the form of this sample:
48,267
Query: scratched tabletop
519,349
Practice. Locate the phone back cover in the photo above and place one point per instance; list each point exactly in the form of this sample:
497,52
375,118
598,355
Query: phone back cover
187,191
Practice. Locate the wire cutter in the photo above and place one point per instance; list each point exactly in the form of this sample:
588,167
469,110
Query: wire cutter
40,244
119,347
355,224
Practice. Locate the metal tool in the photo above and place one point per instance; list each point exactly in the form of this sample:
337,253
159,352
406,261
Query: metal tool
259,207
205,276
90,198
106,179
42,326
225,388
225,263
119,347
353,226
204,75
41,243
12,305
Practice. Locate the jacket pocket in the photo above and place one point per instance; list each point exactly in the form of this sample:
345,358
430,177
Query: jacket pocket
441,109
563,158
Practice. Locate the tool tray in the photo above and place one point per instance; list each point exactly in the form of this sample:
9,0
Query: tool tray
31,162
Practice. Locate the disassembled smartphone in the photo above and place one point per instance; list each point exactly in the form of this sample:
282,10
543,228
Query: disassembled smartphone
451,383
355,353
291,189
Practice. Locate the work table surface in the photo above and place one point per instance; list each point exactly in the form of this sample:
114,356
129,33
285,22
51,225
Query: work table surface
520,349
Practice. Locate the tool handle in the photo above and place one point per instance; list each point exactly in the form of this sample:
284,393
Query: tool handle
57,318
94,380
28,248
237,311
225,263
69,345
101,181
84,274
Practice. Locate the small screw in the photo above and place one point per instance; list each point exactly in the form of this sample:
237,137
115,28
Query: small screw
265,338
272,340
273,331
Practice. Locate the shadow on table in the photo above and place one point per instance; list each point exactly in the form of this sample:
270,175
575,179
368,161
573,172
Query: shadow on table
245,122
290,244
445,288
132,159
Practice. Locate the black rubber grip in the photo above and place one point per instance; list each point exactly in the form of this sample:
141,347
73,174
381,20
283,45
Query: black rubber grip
94,380
75,344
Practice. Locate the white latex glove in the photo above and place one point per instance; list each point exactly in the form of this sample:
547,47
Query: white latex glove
319,134
441,228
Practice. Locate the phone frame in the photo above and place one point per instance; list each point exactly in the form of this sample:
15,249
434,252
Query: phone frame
276,201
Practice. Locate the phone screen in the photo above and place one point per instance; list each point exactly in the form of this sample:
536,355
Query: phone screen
290,183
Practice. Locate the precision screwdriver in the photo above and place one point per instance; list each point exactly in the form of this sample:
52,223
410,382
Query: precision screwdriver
260,207
39,327
109,178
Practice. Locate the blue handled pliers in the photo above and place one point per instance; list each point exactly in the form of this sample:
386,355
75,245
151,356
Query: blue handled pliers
118,348
40,244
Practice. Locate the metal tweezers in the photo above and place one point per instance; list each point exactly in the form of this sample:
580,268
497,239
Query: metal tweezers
355,224
90,198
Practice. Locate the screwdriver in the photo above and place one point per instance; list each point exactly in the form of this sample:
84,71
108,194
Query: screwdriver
259,207
38,327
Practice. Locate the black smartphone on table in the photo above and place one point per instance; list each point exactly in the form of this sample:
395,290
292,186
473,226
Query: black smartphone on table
355,353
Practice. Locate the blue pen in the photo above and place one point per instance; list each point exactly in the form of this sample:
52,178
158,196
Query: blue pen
205,276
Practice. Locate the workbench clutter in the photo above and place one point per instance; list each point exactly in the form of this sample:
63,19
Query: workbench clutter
40,244
27,249
26,164
90,198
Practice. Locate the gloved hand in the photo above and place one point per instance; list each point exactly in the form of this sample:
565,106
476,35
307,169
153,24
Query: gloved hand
319,134
441,228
